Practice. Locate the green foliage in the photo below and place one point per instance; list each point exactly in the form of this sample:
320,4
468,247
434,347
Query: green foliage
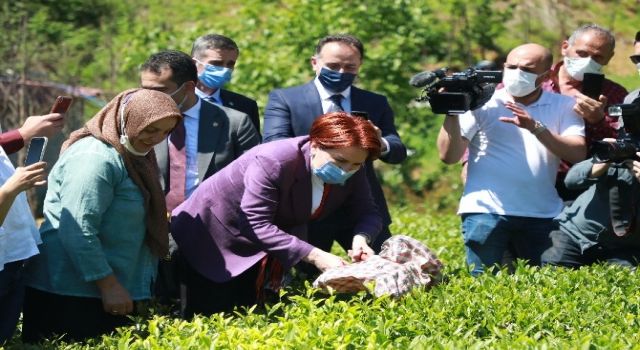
592,308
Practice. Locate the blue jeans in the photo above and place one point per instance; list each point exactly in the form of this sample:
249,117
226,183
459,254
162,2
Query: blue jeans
488,236
11,297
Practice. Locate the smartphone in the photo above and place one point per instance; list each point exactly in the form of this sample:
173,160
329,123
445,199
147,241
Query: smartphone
361,114
36,149
592,85
61,105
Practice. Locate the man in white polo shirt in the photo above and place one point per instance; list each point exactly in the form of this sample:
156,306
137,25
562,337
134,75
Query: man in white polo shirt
516,141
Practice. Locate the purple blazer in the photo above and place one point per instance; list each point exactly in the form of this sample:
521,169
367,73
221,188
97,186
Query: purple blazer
258,205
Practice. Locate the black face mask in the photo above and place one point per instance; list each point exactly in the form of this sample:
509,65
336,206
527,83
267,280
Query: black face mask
335,81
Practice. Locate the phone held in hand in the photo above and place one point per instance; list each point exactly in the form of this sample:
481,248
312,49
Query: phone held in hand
36,149
62,104
592,85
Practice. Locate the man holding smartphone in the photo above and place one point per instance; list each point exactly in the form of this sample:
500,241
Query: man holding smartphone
588,49
291,111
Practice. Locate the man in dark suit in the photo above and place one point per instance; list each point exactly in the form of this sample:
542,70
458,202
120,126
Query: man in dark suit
213,136
216,57
291,111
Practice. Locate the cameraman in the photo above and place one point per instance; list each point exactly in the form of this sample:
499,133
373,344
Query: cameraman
509,198
635,59
585,232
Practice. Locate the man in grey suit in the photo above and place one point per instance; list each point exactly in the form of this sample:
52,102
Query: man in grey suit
214,135
216,57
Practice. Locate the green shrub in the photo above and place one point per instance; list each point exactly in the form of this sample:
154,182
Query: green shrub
590,308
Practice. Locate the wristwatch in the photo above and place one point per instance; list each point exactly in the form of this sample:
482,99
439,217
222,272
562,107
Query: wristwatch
538,127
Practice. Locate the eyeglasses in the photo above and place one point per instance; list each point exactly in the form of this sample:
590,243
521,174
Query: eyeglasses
635,59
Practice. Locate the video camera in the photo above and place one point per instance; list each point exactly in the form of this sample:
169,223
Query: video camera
458,92
626,147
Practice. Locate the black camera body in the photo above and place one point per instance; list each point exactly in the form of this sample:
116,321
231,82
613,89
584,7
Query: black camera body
626,147
458,92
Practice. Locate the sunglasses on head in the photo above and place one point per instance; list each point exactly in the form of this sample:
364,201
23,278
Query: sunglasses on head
635,59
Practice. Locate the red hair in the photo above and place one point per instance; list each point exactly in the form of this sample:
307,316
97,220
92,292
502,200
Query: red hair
341,130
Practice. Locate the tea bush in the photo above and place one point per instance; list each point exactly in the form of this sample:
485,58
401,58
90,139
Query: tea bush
590,308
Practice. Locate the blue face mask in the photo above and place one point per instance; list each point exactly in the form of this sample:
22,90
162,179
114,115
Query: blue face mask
335,81
332,174
214,77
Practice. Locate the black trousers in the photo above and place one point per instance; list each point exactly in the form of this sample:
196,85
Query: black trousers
46,315
566,252
206,297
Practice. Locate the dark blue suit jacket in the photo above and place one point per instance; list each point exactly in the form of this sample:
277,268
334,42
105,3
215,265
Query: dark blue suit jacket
243,104
291,111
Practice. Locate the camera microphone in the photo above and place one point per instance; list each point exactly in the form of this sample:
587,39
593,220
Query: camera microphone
423,79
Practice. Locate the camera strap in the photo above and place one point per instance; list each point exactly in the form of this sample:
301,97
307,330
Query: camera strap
623,204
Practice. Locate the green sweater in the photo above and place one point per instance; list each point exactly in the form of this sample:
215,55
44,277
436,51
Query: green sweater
94,226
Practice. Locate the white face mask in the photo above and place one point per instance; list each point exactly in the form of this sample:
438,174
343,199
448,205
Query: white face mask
519,83
124,139
577,66
183,99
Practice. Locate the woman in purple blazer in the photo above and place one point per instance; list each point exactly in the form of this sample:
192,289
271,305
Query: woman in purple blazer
259,205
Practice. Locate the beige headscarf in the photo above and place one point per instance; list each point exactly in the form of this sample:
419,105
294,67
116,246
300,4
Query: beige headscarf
143,107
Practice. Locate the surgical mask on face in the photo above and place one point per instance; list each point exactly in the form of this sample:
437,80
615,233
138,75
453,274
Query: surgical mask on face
335,81
214,77
124,139
519,83
577,66
183,99
332,174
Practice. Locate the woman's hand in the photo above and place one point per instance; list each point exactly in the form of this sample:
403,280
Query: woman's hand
323,260
115,298
360,250
25,178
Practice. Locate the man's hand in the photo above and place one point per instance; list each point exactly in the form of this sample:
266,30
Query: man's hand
383,145
323,260
360,250
115,298
41,125
592,111
25,178
634,166
599,169
520,118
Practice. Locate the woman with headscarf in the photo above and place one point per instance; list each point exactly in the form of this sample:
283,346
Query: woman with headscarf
255,211
105,222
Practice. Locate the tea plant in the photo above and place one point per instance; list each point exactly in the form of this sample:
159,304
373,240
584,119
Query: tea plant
532,308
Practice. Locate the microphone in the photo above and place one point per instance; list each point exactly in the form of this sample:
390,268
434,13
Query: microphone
423,79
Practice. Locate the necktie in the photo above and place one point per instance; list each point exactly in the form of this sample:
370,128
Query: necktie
177,166
213,100
325,193
337,103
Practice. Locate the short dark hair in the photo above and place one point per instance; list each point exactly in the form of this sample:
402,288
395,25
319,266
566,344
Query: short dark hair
342,38
213,42
637,37
182,67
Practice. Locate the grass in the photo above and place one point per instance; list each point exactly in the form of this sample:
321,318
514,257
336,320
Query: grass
591,308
